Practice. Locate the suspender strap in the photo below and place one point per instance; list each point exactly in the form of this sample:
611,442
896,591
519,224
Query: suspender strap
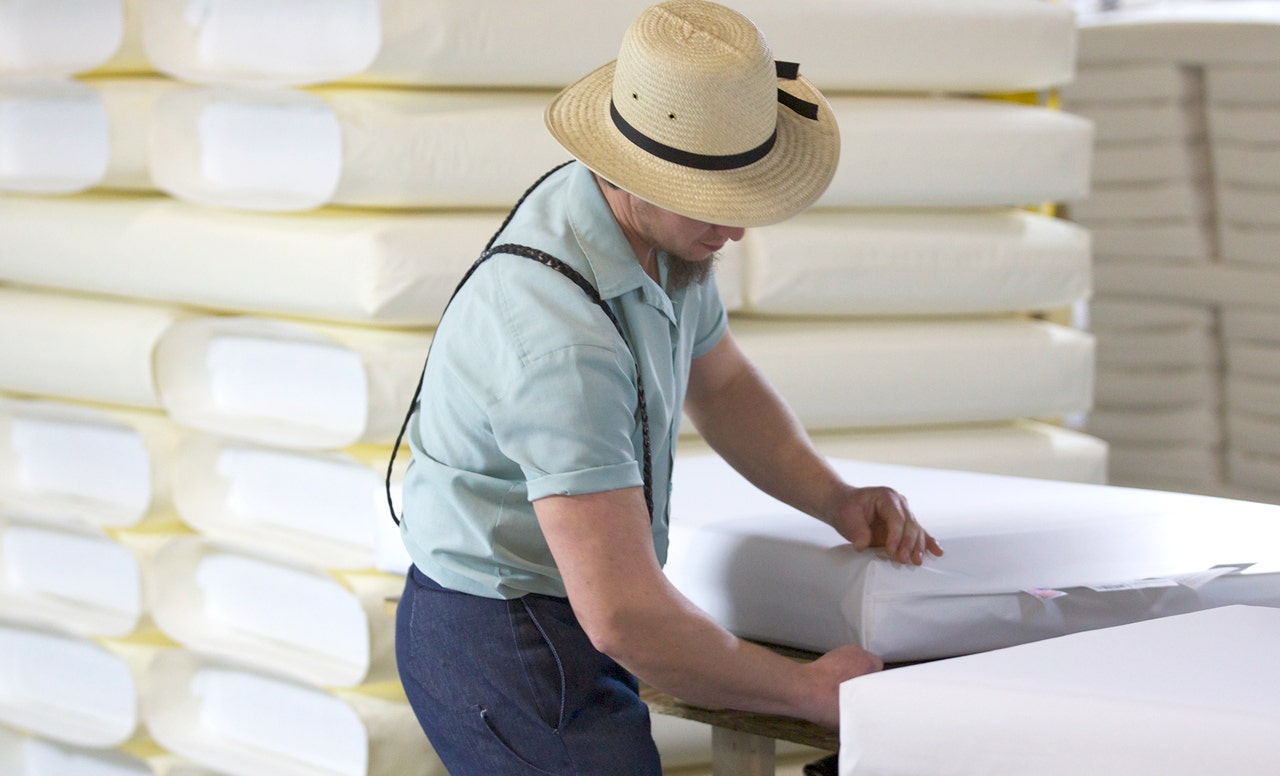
564,269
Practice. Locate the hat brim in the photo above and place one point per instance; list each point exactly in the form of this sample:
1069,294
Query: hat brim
790,178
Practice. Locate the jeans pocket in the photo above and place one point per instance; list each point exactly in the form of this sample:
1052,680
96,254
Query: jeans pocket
541,663
545,742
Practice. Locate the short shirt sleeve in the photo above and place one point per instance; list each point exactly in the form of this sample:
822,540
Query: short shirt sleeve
568,420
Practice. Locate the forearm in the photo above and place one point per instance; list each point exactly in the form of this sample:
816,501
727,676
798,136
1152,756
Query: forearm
751,426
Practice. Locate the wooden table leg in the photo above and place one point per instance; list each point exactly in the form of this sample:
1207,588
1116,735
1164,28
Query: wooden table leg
734,753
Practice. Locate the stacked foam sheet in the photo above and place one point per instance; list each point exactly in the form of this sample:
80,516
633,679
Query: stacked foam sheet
1186,103
265,234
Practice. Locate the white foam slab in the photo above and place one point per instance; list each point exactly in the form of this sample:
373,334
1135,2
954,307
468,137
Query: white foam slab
289,384
1249,206
1144,121
74,578
340,265
1131,389
766,572
1020,449
1240,124
1257,245
1204,32
81,348
1181,466
904,263
953,152
275,614
1172,241
287,150
1199,424
321,508
915,45
1247,165
1150,161
1107,705
1183,347
1227,85
1260,396
1249,432
1253,359
59,37
1163,201
1258,324
110,468
1110,313
237,720
54,136
26,755
1220,283
1256,471
952,371
1130,83
71,689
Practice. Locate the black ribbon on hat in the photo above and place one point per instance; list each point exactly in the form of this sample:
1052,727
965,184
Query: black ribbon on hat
788,71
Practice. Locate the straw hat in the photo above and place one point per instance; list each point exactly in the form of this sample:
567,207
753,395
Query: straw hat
696,117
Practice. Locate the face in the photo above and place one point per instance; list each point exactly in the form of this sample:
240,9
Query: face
684,238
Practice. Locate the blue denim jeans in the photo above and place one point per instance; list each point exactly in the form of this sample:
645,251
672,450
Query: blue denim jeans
515,687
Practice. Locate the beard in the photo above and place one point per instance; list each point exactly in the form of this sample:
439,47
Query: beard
682,273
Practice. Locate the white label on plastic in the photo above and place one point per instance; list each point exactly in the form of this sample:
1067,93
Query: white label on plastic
1199,579
1137,584
1044,593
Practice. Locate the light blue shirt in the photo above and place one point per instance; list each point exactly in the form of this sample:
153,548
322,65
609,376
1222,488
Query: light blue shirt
530,392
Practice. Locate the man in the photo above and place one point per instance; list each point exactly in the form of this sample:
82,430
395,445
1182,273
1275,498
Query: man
536,501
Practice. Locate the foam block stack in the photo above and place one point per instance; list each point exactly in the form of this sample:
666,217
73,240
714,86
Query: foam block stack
227,231
1186,98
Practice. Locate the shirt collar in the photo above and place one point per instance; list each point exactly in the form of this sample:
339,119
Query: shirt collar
612,261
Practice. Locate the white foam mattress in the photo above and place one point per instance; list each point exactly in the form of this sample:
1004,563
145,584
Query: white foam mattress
945,371
1141,121
1182,347
1252,394
108,468
238,720
1119,388
913,45
1227,85
340,265
1203,32
74,578
1227,284
288,383
1251,245
915,262
59,38
1255,471
1120,313
409,149
1128,83
1250,206
1253,359
1150,161
1171,241
1025,560
1179,200
258,608
1250,432
1020,448
1196,424
1190,694
1245,124
34,756
81,348
72,689
1257,324
1256,166
1182,466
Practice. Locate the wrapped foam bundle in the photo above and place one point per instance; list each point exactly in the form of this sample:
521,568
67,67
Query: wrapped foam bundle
81,348
54,137
99,709
286,617
1252,340
75,578
849,373
289,150
1246,32
26,755
915,263
911,45
287,383
105,467
1025,559
238,720
320,507
59,37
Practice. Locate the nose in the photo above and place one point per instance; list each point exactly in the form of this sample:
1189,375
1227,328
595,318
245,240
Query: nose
731,233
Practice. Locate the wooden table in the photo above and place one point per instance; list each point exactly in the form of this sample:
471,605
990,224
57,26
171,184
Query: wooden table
742,743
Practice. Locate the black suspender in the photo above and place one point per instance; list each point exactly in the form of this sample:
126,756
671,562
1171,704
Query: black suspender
564,269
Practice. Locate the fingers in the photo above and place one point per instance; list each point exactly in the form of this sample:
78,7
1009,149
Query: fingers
905,540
